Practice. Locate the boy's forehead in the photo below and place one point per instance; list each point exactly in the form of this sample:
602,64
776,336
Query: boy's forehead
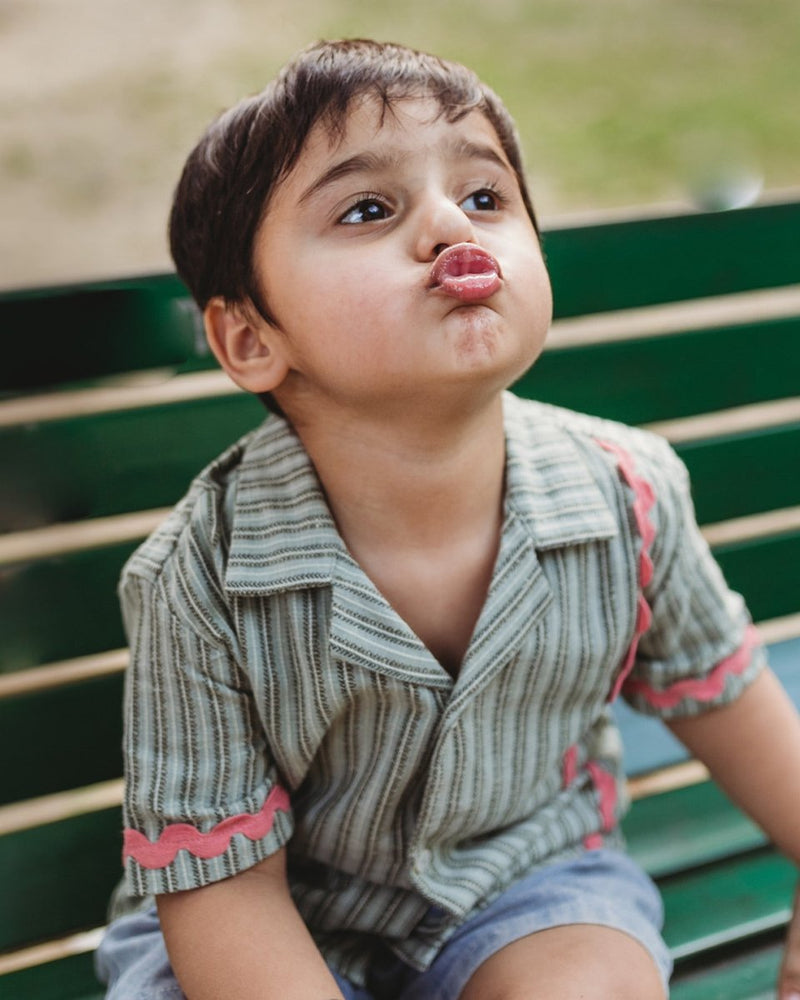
368,117
404,120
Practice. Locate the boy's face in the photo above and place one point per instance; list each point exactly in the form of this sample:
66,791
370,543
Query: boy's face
371,307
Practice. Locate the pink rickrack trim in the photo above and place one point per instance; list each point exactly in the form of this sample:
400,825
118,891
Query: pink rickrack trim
700,689
182,836
644,499
606,786
570,765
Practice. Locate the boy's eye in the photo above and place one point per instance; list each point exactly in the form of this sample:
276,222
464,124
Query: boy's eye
366,210
481,201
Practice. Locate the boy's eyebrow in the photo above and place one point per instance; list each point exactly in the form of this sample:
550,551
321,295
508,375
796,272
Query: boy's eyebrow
468,150
359,164
368,162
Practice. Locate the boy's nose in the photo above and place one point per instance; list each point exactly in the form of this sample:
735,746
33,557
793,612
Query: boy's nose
442,224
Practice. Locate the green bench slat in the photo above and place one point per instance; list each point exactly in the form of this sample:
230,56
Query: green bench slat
764,571
703,824
145,322
121,327
61,738
627,264
94,466
70,736
141,459
65,979
61,607
57,879
771,458
714,905
677,375
66,606
749,975
75,863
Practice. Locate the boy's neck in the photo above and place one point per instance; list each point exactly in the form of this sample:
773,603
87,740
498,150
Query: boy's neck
411,482
419,505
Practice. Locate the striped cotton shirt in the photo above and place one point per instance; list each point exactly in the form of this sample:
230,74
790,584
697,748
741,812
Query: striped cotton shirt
275,698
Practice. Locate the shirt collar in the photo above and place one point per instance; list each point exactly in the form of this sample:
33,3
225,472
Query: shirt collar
283,536
549,481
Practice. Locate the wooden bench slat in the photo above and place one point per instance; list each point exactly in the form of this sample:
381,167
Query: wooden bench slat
132,391
57,879
61,607
633,263
693,839
667,377
121,326
764,570
712,906
69,978
104,465
728,473
95,466
745,975
62,738
43,614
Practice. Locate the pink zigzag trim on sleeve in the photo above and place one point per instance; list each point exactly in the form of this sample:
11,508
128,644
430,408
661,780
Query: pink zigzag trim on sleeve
700,689
182,836
644,499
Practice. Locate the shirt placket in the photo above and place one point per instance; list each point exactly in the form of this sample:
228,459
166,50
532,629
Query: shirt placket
519,596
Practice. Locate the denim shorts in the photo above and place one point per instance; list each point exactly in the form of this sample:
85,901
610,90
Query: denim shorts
598,887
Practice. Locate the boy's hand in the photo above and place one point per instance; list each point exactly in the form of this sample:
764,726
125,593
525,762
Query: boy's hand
789,979
243,937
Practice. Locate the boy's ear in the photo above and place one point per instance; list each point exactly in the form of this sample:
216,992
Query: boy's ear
245,346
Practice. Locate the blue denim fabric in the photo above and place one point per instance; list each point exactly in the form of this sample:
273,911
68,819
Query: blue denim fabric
598,887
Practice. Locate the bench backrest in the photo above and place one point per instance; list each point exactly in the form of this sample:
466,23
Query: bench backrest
110,403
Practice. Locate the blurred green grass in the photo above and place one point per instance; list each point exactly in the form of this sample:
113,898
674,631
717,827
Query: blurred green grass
618,102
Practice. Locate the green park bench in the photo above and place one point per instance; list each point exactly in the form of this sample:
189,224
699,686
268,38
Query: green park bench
110,403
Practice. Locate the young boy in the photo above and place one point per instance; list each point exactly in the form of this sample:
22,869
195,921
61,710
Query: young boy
368,744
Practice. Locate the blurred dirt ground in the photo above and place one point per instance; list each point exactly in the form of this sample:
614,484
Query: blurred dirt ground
100,100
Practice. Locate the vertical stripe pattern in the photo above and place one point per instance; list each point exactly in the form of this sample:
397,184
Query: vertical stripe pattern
276,699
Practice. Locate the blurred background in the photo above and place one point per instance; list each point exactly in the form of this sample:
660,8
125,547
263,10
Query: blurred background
620,103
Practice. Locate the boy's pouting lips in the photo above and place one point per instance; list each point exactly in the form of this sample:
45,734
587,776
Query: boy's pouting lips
466,272
368,310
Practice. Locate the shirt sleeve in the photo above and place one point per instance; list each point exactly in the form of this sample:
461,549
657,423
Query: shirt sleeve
699,649
203,800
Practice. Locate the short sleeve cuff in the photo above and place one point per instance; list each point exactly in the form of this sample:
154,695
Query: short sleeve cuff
719,686
182,857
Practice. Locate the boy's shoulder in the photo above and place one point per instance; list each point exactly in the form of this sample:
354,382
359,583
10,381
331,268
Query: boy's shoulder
594,470
268,462
529,420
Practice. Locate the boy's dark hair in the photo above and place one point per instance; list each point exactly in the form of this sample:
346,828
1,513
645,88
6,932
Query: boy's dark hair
228,179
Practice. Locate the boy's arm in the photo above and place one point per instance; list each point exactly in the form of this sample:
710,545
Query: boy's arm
243,938
752,749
